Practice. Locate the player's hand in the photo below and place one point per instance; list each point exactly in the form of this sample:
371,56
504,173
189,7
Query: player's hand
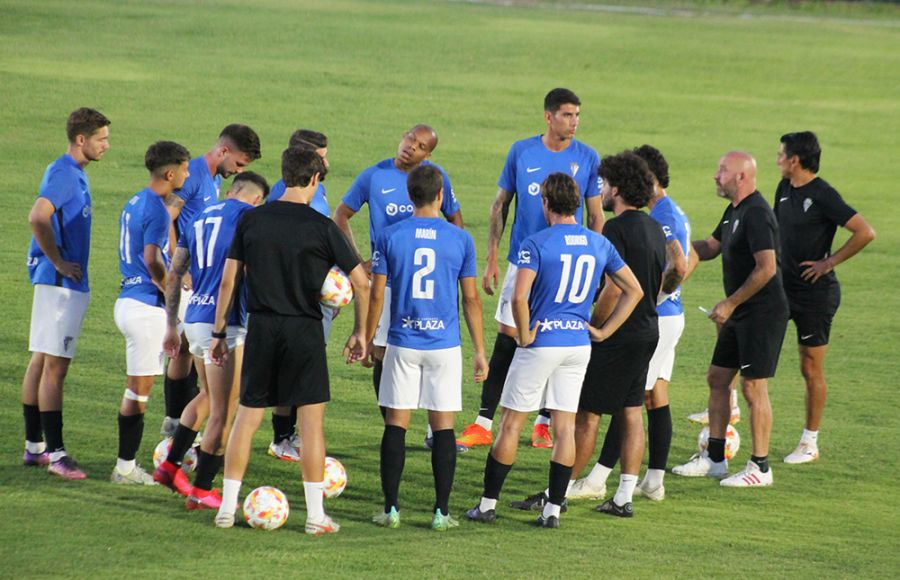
218,351
70,270
491,277
356,349
481,367
172,342
816,269
597,334
721,312
530,335
369,361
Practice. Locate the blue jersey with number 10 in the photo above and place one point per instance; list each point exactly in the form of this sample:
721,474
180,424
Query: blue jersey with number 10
208,241
424,258
675,225
569,261
144,221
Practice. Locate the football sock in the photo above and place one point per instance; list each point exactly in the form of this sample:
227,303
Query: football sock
393,457
231,488
35,448
191,389
487,504
181,442
716,449
625,493
654,478
443,467
494,475
551,509
32,414
498,367
543,417
172,389
293,416
762,462
659,436
52,424
809,437
131,428
429,432
598,475
559,482
282,428
376,381
125,466
208,466
315,510
612,444
484,422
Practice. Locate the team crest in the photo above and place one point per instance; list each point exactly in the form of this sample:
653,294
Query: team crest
574,167
807,203
534,188
735,225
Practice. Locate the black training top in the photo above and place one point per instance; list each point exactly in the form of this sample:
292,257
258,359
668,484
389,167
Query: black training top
640,241
808,216
287,249
744,230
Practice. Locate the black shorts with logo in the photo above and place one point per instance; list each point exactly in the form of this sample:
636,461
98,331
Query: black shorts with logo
812,314
752,343
616,375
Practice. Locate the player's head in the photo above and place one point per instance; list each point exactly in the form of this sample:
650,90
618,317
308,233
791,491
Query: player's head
88,130
562,109
301,166
425,184
314,139
736,175
168,161
417,145
658,165
626,177
560,195
249,187
237,147
798,150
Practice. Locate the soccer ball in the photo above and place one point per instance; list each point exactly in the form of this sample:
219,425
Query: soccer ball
335,477
266,508
732,441
188,463
336,289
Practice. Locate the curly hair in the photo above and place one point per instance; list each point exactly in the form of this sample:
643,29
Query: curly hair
658,165
630,174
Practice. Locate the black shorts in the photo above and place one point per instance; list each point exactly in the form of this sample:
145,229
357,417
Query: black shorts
616,375
284,362
812,315
751,343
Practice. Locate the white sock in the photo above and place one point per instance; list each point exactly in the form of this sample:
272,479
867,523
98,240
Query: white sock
568,488
487,504
125,467
810,437
429,434
597,477
35,448
315,511
734,402
231,489
550,509
57,455
654,478
541,420
484,422
625,493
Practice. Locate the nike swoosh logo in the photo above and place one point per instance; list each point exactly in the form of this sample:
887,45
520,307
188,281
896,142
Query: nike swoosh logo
807,336
744,366
532,169
388,190
783,199
724,221
207,198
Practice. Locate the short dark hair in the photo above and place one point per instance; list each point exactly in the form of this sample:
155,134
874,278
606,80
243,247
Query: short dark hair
254,178
299,164
805,145
243,138
657,164
423,184
559,97
310,137
85,122
164,154
562,194
631,175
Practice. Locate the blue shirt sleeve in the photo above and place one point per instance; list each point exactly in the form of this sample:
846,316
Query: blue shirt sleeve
379,256
57,188
614,261
529,257
594,181
469,269
449,206
358,194
508,176
156,228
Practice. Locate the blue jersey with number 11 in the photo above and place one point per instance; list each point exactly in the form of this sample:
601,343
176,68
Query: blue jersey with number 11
144,221
675,225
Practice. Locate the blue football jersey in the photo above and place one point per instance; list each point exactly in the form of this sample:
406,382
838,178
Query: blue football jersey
208,241
570,261
65,185
200,190
424,259
675,225
383,187
528,164
319,201
143,221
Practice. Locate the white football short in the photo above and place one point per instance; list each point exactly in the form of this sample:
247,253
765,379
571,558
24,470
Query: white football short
199,335
663,361
421,379
182,308
328,315
384,323
144,328
504,313
545,378
57,315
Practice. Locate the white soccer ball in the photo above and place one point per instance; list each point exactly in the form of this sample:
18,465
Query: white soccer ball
336,289
732,441
188,463
335,478
266,508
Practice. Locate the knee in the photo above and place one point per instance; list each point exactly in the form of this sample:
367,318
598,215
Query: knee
811,369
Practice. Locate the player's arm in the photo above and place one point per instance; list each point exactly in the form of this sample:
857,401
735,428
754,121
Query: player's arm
524,281
357,345
628,295
707,249
676,267
174,204
692,261
40,218
456,219
231,273
153,259
595,217
376,304
474,314
765,269
181,261
342,216
497,223
861,233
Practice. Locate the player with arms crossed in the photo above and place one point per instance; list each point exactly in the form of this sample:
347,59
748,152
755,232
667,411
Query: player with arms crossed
528,163
427,259
60,221
559,270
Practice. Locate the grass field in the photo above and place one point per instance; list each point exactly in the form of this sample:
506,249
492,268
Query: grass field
693,84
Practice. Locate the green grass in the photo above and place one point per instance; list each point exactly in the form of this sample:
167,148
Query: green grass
363,72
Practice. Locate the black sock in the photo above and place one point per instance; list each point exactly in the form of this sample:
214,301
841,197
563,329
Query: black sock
181,442
393,457
131,429
544,413
443,467
52,424
376,381
293,417
498,368
282,428
172,390
559,482
716,449
612,444
32,414
659,436
762,462
191,389
208,466
494,475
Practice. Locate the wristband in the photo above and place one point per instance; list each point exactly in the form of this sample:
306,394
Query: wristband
219,335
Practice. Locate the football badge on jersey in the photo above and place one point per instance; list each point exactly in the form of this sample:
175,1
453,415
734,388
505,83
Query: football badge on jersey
574,167
807,203
534,188
735,225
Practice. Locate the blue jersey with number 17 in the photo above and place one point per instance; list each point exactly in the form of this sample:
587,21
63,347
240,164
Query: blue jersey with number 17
424,258
569,261
675,225
144,221
201,189
208,241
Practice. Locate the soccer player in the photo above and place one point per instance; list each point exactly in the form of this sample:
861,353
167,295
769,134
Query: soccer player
60,221
236,148
139,311
427,259
284,251
528,163
753,316
809,211
204,248
559,269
